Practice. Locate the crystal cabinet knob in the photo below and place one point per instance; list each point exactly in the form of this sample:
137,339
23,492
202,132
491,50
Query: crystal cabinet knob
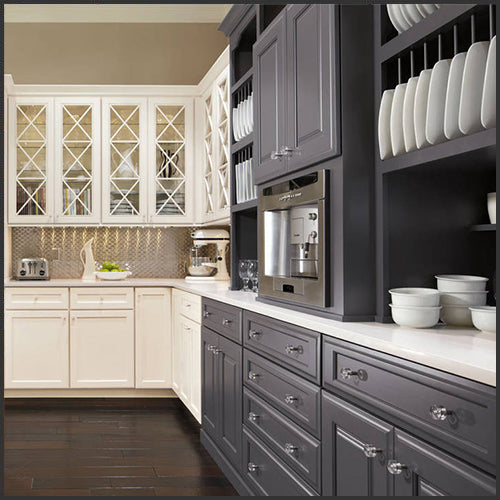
290,449
370,450
252,467
253,334
394,467
253,417
226,322
211,348
206,314
217,351
347,373
252,375
277,155
439,412
290,349
290,400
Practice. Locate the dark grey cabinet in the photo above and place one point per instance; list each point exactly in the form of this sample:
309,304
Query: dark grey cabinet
356,449
420,469
296,72
222,395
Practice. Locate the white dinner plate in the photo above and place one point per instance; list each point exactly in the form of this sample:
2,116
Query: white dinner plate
420,114
489,100
408,112
397,138
426,9
235,124
384,125
394,19
434,121
469,117
411,13
453,91
403,18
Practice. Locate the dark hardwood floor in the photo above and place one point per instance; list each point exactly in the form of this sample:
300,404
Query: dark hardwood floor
107,448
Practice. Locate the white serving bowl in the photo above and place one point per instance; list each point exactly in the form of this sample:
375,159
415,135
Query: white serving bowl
460,283
110,276
415,297
463,298
484,318
415,317
492,207
456,315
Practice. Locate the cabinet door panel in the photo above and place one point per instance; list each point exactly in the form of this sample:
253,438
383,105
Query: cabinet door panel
269,103
347,470
36,349
311,78
210,392
153,338
102,349
431,472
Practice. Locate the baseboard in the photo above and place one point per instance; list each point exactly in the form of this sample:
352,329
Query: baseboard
89,393
226,467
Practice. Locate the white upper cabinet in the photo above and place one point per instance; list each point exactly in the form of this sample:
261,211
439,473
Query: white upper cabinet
124,159
31,159
77,159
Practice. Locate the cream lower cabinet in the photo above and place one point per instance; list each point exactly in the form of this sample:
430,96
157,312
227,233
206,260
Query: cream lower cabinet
153,338
36,349
186,379
102,349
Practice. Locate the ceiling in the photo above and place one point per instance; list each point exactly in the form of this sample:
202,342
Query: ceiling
131,13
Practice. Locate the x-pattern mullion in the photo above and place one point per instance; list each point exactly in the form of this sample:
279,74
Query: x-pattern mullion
77,196
31,196
31,123
170,197
124,122
77,123
124,197
77,160
223,100
124,159
170,159
223,183
31,161
170,123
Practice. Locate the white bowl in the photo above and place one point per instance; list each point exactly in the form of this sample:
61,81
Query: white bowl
414,297
484,318
492,207
460,283
463,298
415,317
456,315
110,276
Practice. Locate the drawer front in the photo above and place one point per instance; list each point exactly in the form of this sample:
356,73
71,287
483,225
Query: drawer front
187,304
102,298
296,348
36,298
295,397
294,446
415,395
266,474
223,319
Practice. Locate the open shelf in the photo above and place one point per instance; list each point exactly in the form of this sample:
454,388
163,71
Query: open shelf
484,227
246,205
242,143
242,81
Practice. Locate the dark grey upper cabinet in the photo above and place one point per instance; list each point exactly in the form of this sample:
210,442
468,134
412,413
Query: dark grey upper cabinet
422,470
356,448
269,101
312,72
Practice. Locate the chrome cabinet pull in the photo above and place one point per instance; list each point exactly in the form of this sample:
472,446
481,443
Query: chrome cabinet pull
394,467
290,349
252,467
347,373
371,451
226,322
277,155
253,417
252,375
253,334
290,449
438,412
289,399
217,351
288,151
211,348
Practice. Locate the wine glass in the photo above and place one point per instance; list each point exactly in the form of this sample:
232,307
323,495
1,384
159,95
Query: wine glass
253,273
243,273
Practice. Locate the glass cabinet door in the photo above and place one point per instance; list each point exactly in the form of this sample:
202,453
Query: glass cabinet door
78,160
31,160
208,154
124,160
171,144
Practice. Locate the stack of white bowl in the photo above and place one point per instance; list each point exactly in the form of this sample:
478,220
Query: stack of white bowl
415,307
484,318
459,293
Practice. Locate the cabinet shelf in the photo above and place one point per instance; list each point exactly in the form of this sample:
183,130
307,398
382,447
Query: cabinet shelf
242,144
246,205
242,81
484,227
475,149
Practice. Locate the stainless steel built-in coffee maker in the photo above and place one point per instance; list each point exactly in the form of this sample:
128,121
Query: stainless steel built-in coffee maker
292,240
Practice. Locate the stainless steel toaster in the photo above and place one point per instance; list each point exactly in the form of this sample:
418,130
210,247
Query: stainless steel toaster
36,268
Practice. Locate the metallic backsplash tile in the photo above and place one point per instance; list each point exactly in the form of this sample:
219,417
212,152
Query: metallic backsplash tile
147,252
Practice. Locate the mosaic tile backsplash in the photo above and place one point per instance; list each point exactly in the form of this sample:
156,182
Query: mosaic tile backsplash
147,252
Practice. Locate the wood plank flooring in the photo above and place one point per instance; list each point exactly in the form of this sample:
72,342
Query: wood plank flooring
107,448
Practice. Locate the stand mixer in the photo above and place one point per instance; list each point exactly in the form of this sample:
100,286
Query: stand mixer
200,267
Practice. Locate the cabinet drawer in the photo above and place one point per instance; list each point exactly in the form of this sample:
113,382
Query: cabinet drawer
294,446
266,474
36,298
223,319
414,394
189,305
295,397
296,348
102,298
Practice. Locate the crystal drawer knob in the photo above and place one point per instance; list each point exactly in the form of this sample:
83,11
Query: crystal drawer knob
290,349
252,467
394,467
226,322
217,351
253,417
252,375
290,400
290,449
439,412
347,373
371,451
211,348
253,334
206,314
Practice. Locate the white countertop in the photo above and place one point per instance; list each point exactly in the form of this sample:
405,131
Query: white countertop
464,352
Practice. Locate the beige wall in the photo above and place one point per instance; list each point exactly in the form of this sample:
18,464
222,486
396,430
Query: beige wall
135,54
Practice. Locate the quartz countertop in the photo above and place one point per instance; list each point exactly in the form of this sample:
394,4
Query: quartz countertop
465,352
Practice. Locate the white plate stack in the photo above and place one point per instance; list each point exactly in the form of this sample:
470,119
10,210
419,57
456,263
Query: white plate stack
245,188
459,293
404,15
243,118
